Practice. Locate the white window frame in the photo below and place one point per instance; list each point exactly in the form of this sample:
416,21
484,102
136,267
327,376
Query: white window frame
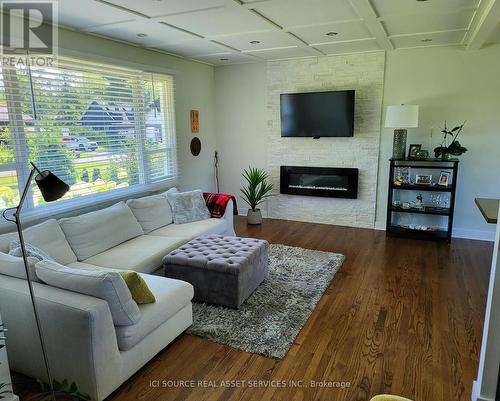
94,200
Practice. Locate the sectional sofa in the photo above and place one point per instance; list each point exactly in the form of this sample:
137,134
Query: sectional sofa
83,344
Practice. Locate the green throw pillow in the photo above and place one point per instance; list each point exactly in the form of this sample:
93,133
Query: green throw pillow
140,291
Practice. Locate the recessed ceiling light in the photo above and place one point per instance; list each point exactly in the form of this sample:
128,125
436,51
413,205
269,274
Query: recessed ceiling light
426,40
331,33
142,35
254,42
224,59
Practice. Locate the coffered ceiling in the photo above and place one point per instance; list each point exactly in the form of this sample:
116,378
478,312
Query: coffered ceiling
233,31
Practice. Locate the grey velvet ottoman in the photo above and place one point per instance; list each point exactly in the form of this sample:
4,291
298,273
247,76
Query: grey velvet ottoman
223,270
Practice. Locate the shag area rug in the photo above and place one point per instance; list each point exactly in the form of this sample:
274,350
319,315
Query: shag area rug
270,319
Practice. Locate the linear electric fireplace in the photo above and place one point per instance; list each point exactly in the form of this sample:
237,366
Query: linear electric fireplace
329,182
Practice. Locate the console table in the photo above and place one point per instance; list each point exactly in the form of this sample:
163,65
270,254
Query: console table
489,209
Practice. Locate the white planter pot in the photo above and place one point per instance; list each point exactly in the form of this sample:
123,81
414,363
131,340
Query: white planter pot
254,217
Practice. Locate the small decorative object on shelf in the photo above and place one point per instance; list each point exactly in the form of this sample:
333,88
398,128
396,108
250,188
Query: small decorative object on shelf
444,178
417,204
417,228
412,151
402,176
423,179
421,154
446,151
431,199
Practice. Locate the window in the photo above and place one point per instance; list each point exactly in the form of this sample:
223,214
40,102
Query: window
100,128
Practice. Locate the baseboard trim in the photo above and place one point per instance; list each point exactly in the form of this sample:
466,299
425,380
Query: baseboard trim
474,234
475,396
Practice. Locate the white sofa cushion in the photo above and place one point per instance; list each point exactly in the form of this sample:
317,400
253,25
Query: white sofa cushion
106,285
189,231
49,237
151,212
5,240
31,251
188,206
143,254
171,296
172,190
95,232
13,266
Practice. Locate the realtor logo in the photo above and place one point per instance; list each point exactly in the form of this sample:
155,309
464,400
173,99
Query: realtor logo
29,29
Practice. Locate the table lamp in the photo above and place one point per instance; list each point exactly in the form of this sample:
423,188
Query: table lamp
401,117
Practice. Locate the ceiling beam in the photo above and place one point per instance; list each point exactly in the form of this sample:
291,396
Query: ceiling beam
274,26
367,13
484,23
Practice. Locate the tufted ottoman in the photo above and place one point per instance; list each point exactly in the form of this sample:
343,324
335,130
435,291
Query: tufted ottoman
223,270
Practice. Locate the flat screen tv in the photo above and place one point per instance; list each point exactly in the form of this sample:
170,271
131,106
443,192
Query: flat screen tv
317,114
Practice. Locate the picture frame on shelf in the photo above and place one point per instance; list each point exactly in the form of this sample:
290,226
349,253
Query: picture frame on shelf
412,151
402,176
423,179
444,179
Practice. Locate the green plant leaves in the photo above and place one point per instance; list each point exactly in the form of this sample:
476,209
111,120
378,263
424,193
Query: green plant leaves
63,390
456,149
258,188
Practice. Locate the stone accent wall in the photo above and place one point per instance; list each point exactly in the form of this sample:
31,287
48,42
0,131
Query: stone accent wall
361,72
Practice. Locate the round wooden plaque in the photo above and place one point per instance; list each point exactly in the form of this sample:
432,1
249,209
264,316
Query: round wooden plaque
195,146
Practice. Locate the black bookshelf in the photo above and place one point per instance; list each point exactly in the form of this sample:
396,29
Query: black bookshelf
395,230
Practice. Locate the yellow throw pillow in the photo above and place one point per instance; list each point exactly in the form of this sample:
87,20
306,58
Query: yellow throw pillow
140,291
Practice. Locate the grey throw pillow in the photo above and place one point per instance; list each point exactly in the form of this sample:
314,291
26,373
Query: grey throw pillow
31,250
188,206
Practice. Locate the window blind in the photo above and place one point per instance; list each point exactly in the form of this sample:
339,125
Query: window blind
100,128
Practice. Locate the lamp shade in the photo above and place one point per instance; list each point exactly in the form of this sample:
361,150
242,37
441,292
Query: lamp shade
403,116
51,186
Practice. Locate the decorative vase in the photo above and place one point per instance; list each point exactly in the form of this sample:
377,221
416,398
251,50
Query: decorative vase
254,217
399,144
446,156
422,154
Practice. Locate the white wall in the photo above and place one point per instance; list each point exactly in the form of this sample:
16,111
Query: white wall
456,85
241,123
363,72
194,89
447,83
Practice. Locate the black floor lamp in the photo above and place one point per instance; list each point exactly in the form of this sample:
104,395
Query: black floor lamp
52,188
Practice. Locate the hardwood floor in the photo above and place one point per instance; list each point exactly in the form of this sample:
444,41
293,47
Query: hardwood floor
401,316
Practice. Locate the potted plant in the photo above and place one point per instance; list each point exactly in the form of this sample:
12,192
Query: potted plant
446,151
255,192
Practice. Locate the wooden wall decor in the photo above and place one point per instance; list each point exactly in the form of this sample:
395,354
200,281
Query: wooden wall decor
195,146
195,121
